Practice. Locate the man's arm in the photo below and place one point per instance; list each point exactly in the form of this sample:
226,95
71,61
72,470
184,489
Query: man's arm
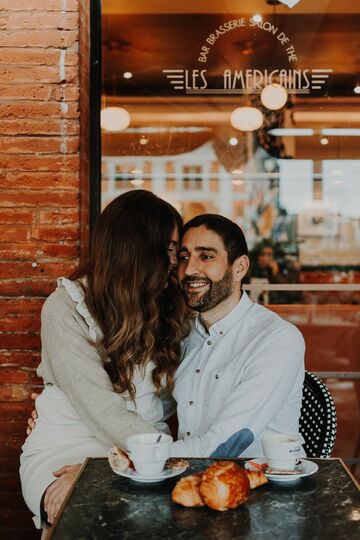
254,402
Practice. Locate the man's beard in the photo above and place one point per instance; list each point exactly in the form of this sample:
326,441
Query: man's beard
217,292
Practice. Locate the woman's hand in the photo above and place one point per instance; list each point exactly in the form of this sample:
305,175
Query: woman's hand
31,421
57,491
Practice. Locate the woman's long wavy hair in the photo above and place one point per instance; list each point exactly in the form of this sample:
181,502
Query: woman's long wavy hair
130,291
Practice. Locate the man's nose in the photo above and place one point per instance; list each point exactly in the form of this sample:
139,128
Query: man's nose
191,267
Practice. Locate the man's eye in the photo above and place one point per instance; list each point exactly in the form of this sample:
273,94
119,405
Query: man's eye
182,258
206,257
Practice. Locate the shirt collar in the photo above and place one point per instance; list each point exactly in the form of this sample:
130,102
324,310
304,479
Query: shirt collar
225,324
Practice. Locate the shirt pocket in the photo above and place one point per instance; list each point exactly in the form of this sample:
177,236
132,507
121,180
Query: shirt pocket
218,389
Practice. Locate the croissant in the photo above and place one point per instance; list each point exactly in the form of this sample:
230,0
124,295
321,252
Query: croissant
187,492
223,485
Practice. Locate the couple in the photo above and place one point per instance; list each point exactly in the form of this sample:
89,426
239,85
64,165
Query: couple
114,335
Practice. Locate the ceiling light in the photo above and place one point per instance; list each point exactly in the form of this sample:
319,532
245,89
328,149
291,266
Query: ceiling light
114,119
274,96
143,140
233,141
136,171
357,89
127,75
341,132
290,3
257,18
237,171
292,132
238,182
246,118
324,141
137,182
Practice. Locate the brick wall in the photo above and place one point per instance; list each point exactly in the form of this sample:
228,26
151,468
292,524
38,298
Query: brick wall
39,207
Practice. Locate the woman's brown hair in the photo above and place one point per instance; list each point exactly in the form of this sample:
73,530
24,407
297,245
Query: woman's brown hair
130,291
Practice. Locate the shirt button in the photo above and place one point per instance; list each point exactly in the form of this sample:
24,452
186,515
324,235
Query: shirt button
221,333
197,371
188,433
191,403
209,342
217,376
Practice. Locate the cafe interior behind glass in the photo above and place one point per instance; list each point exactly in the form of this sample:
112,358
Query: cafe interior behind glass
250,109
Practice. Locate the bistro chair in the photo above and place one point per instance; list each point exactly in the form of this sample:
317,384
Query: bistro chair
318,418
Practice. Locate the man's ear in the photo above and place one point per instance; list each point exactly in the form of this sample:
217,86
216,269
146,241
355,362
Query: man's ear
241,266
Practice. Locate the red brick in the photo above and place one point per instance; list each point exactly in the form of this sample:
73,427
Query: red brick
14,392
25,531
61,251
20,324
42,74
21,252
30,109
19,341
14,234
10,482
10,270
41,163
11,518
46,126
38,180
19,358
25,91
20,56
13,376
58,216
52,233
39,145
19,216
20,306
41,5
38,198
18,252
38,38
26,287
41,19
66,93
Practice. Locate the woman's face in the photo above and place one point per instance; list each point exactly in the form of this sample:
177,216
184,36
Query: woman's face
173,248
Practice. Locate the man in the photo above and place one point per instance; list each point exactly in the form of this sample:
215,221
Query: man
243,367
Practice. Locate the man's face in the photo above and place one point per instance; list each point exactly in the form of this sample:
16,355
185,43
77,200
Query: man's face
206,276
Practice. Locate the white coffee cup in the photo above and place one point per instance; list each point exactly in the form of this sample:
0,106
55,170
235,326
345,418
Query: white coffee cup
282,450
149,452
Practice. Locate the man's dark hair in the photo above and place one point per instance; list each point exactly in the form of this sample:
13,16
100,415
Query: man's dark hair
230,233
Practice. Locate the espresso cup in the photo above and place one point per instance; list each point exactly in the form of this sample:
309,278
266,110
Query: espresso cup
282,450
149,452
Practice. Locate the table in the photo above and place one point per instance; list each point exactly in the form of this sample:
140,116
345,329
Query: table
103,505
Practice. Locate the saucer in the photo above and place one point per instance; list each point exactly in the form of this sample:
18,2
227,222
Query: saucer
136,477
303,469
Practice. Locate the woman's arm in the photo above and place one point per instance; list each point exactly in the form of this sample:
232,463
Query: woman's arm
71,362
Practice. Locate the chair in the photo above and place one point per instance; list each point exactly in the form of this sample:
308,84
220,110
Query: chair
318,418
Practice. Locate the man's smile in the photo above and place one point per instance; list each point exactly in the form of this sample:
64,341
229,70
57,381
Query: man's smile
195,286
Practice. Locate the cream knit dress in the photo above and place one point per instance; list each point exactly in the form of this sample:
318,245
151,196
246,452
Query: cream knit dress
79,414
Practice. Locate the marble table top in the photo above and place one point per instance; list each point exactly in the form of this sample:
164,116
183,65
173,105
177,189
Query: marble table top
103,505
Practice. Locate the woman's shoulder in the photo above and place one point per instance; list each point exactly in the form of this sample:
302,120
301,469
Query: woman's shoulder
59,304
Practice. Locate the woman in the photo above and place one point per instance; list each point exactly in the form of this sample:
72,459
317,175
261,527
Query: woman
110,346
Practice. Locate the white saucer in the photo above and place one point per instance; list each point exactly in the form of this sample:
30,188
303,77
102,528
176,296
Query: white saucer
133,475
304,468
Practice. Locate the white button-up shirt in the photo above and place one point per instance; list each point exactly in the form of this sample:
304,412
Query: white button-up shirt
237,382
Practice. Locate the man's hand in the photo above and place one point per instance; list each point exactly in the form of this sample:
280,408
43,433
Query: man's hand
57,491
31,421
